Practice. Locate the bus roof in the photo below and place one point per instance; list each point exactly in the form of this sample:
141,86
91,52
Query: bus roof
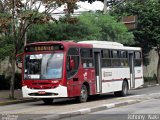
109,45
64,43
89,44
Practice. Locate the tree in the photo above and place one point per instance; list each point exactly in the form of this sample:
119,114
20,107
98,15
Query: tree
105,27
147,32
87,26
16,17
64,29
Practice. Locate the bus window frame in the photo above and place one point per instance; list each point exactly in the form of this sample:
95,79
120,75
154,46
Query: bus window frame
44,52
104,58
139,59
90,58
119,57
71,77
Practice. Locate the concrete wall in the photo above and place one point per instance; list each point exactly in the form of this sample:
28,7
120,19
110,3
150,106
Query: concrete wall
5,67
151,69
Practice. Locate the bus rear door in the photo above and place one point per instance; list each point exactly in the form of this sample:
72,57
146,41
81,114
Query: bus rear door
132,73
97,60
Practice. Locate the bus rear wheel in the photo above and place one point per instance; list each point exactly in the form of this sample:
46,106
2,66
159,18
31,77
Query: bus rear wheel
124,91
47,101
83,95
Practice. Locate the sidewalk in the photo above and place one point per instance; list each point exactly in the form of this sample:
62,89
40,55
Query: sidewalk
148,84
5,100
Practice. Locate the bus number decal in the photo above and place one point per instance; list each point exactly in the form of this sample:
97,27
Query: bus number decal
107,74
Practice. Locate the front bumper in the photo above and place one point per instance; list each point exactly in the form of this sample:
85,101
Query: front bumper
60,91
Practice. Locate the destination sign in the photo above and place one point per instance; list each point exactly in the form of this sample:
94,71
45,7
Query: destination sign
37,48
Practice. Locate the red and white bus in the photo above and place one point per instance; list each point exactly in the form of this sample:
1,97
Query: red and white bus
68,69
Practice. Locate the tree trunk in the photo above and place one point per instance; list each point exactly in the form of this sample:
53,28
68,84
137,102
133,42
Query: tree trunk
105,7
158,70
13,57
12,76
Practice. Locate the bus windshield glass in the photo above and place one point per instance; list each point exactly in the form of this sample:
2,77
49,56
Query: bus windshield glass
43,66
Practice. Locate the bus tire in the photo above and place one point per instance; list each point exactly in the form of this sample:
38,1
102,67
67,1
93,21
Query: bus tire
124,91
83,95
47,101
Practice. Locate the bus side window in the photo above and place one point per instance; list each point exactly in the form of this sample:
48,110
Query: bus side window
115,58
124,58
137,58
106,59
72,62
87,58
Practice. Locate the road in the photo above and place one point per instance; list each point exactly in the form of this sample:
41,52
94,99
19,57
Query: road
147,110
38,109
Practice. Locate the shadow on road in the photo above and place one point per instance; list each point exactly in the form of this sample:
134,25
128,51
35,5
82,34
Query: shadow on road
71,101
108,96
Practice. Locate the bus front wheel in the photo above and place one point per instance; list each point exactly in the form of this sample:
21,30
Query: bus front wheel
47,101
83,95
124,91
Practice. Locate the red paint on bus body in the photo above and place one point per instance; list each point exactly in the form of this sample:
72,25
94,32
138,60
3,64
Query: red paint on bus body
73,84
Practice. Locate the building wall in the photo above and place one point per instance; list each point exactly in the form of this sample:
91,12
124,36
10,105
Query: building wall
5,67
151,69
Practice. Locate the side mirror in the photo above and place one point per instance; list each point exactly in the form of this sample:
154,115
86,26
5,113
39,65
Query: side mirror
19,60
72,64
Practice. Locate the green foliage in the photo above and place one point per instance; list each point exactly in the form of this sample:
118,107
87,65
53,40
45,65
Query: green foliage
67,31
5,82
6,47
37,33
148,79
25,15
59,31
148,28
151,79
88,26
105,27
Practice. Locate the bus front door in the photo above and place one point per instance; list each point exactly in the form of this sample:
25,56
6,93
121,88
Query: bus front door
98,71
132,73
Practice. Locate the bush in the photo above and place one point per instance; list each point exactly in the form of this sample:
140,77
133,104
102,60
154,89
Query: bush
18,81
151,79
5,82
148,79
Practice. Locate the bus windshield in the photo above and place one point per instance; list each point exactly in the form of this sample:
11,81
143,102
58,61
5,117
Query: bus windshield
43,66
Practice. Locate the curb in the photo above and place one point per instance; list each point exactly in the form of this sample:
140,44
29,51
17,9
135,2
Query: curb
9,102
88,110
152,85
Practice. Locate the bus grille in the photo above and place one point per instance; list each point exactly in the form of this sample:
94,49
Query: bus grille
46,94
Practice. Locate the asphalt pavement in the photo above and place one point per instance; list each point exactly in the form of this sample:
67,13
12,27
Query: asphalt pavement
68,108
146,110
